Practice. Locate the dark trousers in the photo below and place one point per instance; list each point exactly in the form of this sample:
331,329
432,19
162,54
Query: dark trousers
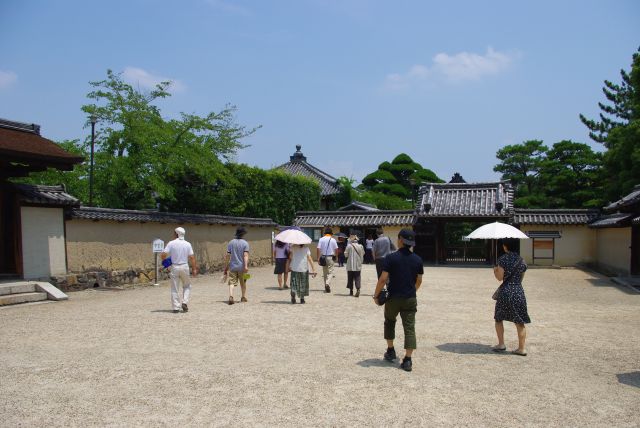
407,308
353,276
368,256
379,267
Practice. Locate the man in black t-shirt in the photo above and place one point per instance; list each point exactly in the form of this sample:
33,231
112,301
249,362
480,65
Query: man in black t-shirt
404,270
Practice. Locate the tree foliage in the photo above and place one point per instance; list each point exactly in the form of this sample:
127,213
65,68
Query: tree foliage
399,178
618,129
566,176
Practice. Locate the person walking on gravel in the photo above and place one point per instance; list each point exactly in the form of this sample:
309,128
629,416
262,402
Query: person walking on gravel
381,247
326,254
180,252
237,264
403,269
354,252
299,263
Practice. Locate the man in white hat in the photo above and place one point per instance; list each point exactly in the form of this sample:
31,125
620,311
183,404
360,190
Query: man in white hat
181,253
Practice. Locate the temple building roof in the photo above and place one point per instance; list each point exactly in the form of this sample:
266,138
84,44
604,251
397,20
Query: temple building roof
465,200
298,165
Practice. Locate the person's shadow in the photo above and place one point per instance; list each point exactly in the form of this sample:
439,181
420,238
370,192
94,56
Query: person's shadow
162,311
466,348
631,379
375,362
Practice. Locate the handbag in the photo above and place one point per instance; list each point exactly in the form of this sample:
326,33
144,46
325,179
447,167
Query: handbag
322,261
167,262
383,296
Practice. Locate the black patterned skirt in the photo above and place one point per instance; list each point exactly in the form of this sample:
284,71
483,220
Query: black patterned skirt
512,305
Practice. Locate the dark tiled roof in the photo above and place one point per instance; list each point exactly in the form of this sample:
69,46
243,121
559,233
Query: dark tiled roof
357,205
631,199
354,218
636,220
22,142
559,216
612,220
298,165
465,200
45,195
93,213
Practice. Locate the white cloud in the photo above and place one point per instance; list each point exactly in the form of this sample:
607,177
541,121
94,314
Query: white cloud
460,67
7,78
146,80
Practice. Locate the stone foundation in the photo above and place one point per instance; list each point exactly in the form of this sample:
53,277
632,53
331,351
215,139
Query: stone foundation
97,278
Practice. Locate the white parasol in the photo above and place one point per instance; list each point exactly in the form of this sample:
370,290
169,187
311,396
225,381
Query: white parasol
497,231
293,236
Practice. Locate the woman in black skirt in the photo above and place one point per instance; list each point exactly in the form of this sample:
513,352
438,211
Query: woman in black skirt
511,303
281,255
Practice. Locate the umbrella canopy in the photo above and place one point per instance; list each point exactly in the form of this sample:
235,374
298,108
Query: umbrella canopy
293,236
497,230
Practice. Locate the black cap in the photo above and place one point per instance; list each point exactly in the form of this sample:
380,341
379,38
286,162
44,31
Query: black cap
241,231
408,237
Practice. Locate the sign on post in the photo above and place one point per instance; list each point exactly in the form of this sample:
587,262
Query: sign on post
158,246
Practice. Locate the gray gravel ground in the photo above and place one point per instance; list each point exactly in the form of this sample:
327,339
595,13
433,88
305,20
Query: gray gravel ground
122,358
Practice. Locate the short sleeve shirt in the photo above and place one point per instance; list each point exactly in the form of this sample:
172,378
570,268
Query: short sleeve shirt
403,266
327,246
236,249
281,252
383,246
299,262
179,250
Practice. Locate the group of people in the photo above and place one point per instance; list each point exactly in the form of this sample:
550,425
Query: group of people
398,268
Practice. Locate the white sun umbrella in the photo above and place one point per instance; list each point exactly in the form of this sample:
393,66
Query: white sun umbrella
497,231
293,236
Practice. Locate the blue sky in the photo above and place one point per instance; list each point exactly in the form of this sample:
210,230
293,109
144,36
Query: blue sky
354,81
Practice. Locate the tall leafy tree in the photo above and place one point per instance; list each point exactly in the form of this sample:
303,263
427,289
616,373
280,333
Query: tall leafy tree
142,158
618,129
520,164
571,176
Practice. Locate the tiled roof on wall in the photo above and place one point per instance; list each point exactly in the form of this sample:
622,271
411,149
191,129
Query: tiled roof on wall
631,199
465,200
93,213
357,205
554,216
45,195
354,218
612,220
298,165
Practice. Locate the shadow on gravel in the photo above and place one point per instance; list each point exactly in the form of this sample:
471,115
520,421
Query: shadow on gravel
466,348
162,311
277,302
632,378
376,362
273,288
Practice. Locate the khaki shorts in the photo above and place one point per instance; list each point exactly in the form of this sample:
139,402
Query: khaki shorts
236,278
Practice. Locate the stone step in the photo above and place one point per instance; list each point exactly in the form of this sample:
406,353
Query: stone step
17,287
12,299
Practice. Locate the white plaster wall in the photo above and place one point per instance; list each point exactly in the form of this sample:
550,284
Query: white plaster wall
43,249
614,249
577,245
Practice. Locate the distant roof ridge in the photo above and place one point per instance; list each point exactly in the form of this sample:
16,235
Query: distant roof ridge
20,126
467,184
552,210
170,214
353,212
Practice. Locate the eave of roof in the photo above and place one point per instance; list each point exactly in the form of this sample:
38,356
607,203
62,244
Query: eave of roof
49,196
355,218
631,199
111,214
554,216
23,145
328,184
465,200
612,220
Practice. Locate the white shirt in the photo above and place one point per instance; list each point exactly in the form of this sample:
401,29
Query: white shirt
369,243
327,246
179,250
299,262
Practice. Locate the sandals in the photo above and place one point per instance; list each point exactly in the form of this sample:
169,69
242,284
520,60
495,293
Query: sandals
516,352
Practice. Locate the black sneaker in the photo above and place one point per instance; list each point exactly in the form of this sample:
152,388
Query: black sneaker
406,365
185,308
293,298
327,289
390,355
302,300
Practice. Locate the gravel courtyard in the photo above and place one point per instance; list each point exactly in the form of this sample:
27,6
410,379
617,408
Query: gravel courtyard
121,358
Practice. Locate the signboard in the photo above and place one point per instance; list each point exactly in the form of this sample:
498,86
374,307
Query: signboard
158,245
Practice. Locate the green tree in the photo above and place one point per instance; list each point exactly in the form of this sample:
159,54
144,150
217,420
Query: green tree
618,129
75,181
400,178
142,158
571,176
520,164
